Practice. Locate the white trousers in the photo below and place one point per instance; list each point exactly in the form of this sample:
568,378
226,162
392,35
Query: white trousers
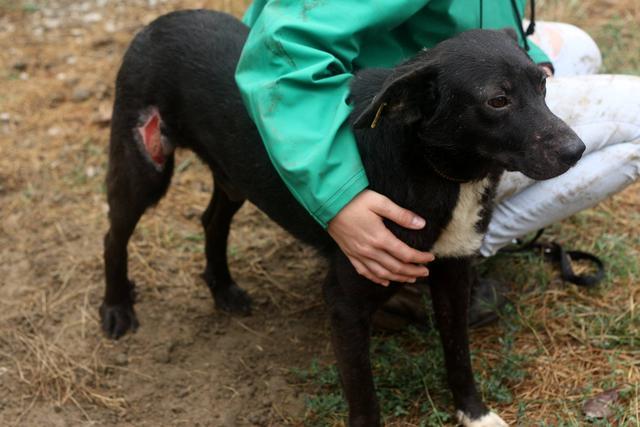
604,110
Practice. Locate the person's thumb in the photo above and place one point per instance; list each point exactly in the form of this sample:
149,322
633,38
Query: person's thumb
403,217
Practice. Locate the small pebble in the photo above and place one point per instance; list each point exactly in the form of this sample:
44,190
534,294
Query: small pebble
122,359
92,17
80,94
91,171
54,131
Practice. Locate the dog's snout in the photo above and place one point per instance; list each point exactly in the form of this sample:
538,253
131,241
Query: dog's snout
571,152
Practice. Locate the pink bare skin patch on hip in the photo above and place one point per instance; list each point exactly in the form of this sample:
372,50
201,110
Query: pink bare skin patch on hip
154,145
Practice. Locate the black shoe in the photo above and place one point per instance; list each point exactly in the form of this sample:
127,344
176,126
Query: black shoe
487,299
408,306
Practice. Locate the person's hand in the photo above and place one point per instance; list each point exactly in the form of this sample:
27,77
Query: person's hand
373,250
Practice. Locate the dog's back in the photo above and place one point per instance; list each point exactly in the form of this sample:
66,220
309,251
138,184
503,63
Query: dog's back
183,64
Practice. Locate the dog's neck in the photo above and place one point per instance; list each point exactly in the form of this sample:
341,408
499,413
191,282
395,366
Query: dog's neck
392,153
448,165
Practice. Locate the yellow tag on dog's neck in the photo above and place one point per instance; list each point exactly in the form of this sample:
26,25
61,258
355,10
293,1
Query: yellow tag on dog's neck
378,115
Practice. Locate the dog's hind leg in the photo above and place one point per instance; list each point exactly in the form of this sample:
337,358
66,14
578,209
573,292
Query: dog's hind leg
450,285
216,221
138,176
351,300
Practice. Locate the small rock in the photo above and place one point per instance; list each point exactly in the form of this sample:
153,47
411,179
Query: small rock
5,117
52,24
54,131
101,119
91,171
81,94
24,76
92,17
122,359
110,27
599,406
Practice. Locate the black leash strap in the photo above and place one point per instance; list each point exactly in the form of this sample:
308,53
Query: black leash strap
532,23
558,255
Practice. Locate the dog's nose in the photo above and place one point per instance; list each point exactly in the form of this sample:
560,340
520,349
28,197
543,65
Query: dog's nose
571,152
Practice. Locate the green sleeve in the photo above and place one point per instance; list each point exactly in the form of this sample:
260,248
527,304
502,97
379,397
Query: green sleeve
536,54
294,76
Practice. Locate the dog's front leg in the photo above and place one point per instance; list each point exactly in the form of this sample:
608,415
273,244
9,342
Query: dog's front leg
450,291
352,300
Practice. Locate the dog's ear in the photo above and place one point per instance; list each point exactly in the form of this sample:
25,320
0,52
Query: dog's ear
511,33
402,96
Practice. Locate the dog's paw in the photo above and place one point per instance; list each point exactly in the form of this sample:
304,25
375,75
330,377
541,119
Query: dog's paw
488,420
117,319
232,299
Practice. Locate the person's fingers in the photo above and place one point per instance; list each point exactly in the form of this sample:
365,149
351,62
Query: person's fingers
404,217
409,271
382,273
364,271
388,242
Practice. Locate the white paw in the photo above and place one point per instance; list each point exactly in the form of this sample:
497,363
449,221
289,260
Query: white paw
489,420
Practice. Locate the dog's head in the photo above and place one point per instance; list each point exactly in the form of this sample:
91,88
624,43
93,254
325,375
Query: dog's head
478,95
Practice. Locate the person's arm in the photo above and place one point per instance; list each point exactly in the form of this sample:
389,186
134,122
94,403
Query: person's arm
294,76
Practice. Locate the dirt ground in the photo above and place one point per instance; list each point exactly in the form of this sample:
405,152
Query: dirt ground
188,364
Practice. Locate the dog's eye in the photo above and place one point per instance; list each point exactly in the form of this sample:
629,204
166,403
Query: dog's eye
499,102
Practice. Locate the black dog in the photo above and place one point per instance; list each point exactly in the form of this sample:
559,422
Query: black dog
449,122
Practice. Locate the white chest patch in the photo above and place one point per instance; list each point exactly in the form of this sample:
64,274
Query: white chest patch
460,237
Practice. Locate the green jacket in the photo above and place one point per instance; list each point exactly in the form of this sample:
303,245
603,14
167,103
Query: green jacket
295,69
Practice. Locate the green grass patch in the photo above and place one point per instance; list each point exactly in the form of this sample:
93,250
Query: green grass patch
411,380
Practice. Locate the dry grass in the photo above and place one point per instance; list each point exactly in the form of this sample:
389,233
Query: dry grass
570,343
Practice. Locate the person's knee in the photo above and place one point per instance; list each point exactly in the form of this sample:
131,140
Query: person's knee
585,47
572,50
